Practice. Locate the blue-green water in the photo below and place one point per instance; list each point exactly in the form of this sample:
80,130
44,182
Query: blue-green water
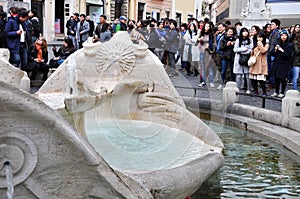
254,167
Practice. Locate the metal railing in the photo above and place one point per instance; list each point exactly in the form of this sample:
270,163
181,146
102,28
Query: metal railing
264,98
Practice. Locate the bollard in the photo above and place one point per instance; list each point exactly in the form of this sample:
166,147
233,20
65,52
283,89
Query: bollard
229,94
289,106
25,83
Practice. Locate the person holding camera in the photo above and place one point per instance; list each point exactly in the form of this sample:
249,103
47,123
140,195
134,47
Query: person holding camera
282,63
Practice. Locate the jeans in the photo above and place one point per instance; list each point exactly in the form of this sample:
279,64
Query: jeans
225,63
270,60
74,40
171,60
23,56
15,59
296,70
203,69
20,59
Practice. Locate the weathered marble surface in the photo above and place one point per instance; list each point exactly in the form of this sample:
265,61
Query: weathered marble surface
110,82
49,159
12,75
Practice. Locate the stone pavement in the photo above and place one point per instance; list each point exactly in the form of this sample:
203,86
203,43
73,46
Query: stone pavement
190,82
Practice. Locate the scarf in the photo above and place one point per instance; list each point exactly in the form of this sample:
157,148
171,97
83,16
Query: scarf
39,51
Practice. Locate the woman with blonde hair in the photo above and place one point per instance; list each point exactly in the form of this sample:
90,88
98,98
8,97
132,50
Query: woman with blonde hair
38,58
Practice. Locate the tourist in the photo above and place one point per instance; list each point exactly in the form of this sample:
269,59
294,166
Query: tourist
207,48
273,40
99,26
226,46
141,27
17,38
122,24
238,25
159,51
181,44
295,40
253,34
152,37
38,58
82,31
92,26
242,48
2,30
191,52
63,53
220,33
283,54
267,30
172,39
71,29
35,25
133,33
259,71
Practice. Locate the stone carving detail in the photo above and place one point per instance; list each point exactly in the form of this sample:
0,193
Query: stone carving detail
117,55
20,152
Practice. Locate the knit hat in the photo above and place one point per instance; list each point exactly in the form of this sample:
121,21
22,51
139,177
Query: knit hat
123,17
284,32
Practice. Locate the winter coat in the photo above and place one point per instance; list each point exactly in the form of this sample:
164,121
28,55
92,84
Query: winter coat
71,26
172,39
191,42
273,40
32,54
243,49
261,65
152,39
227,50
282,62
35,27
64,52
85,28
296,58
12,38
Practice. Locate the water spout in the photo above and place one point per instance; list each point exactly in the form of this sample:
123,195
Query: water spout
9,180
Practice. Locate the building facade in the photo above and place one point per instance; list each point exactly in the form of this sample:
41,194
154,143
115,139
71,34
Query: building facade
285,10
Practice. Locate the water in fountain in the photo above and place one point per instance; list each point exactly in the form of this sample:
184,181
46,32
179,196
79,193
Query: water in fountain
9,180
143,146
254,167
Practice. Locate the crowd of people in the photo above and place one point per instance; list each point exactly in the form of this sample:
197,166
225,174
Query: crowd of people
204,49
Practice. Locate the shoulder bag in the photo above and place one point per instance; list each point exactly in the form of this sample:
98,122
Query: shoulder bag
252,59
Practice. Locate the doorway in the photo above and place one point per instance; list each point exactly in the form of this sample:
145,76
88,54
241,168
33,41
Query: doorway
59,17
39,7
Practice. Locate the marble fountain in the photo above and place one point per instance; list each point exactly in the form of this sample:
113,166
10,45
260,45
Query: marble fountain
108,123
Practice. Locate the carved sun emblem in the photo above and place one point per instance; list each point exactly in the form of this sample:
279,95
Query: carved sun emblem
114,55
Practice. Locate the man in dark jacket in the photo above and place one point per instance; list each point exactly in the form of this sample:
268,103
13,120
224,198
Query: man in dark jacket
17,39
92,25
273,41
172,39
71,26
226,46
35,25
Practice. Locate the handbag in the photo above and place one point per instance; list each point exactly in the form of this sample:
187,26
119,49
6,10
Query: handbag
243,60
252,59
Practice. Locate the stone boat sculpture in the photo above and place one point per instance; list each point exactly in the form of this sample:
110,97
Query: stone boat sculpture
133,138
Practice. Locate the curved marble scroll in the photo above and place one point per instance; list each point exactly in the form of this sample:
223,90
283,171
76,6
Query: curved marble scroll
49,159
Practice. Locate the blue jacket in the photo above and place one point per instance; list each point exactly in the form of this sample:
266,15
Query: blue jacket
12,38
